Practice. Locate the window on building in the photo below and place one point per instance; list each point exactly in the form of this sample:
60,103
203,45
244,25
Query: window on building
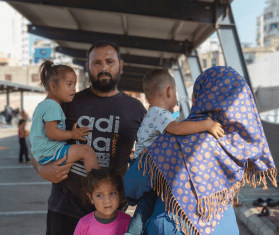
204,64
35,77
213,62
273,26
8,77
268,15
215,54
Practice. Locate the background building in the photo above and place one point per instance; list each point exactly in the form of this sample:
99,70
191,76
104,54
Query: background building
45,49
268,25
20,39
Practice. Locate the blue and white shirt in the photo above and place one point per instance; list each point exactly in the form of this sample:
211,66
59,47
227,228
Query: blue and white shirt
153,125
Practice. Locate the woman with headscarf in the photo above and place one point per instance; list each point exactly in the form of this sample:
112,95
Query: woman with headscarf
196,176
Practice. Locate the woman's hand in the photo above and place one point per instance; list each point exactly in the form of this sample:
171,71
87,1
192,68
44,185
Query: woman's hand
215,128
53,172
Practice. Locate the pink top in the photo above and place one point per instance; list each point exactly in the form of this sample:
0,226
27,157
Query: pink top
88,225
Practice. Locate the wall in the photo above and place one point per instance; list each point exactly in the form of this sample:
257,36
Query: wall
29,75
265,71
271,131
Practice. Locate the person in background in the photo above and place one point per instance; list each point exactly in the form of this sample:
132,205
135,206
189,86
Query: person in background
104,189
22,133
23,115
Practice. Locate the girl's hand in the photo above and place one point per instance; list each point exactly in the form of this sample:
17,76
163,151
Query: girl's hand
78,133
215,128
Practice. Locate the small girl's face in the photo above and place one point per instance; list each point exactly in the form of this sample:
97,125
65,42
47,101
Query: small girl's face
66,88
106,199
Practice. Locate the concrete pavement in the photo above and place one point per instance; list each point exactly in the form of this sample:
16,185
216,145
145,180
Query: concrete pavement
23,197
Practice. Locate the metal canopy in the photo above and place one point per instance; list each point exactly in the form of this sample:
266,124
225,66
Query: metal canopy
150,33
16,87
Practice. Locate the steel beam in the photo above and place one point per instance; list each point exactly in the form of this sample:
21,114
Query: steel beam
126,68
194,65
182,91
161,45
21,101
229,41
8,96
182,10
128,58
135,70
130,86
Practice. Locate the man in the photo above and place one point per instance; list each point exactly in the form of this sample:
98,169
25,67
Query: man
113,118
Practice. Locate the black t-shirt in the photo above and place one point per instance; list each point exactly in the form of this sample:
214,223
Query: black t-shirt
114,122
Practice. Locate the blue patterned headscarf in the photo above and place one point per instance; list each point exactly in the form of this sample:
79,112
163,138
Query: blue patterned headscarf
198,176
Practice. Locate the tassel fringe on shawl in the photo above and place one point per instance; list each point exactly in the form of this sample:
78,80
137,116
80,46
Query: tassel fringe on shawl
206,206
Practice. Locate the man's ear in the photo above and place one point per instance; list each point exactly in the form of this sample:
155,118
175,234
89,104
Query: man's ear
86,66
121,63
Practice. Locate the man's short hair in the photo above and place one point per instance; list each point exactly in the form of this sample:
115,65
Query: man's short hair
155,81
104,43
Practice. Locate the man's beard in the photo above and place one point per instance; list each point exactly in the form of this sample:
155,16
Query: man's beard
104,85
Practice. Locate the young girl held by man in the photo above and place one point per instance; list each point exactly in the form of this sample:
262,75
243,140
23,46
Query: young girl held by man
48,133
104,189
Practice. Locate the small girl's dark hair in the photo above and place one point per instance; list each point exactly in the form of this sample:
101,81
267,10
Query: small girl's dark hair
21,121
49,72
97,176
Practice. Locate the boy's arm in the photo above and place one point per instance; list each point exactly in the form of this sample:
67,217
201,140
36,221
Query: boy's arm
194,127
55,133
53,172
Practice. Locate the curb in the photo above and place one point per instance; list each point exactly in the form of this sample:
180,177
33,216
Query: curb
257,225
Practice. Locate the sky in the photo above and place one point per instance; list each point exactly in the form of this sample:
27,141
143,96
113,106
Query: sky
245,14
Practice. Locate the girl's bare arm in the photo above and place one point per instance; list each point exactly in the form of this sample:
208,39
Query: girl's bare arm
55,133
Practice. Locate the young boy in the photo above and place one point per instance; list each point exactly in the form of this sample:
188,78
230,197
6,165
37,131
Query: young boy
160,91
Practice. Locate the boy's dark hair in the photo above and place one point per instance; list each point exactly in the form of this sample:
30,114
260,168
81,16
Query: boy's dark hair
49,72
155,80
21,121
104,43
97,176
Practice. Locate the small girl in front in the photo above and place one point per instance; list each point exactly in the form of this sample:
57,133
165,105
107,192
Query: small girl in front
104,189
48,133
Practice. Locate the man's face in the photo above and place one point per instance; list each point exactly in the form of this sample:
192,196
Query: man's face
104,68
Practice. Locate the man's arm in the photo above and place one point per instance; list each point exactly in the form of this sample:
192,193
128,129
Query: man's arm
194,127
53,172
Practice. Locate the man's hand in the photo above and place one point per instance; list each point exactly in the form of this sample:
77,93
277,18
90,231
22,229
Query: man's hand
215,128
53,172
78,133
